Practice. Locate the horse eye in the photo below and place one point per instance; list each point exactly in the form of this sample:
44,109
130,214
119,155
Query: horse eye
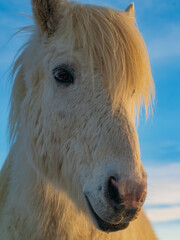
63,75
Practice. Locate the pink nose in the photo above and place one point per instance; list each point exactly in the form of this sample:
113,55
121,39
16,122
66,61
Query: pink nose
131,193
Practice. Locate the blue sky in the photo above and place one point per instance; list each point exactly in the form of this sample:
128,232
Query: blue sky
159,23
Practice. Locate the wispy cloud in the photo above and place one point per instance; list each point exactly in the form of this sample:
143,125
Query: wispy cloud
164,184
164,190
164,214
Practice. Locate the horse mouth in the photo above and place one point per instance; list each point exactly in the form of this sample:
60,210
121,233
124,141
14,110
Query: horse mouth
102,225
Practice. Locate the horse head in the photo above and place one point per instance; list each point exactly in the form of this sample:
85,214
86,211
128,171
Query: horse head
85,75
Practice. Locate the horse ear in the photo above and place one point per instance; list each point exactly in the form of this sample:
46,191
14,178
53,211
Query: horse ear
47,14
130,10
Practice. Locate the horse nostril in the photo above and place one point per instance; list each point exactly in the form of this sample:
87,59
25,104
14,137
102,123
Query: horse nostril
113,192
129,194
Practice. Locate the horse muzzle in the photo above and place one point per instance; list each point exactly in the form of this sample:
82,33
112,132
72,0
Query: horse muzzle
124,201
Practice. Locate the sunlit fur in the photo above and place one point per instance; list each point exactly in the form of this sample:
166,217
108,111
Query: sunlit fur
107,41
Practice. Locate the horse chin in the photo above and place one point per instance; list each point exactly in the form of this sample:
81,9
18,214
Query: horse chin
103,225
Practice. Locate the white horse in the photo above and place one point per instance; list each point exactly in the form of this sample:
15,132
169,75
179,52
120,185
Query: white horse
74,170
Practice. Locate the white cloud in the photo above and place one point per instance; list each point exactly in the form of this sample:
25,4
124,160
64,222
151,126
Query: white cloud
164,214
163,190
164,184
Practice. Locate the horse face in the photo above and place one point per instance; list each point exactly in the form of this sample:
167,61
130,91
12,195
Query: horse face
77,142
83,148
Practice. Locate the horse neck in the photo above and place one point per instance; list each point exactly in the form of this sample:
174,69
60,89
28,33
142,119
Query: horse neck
36,204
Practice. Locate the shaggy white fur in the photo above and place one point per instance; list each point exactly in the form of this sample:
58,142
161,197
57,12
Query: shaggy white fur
68,140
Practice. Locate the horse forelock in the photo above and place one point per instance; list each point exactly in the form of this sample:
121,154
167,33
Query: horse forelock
115,46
